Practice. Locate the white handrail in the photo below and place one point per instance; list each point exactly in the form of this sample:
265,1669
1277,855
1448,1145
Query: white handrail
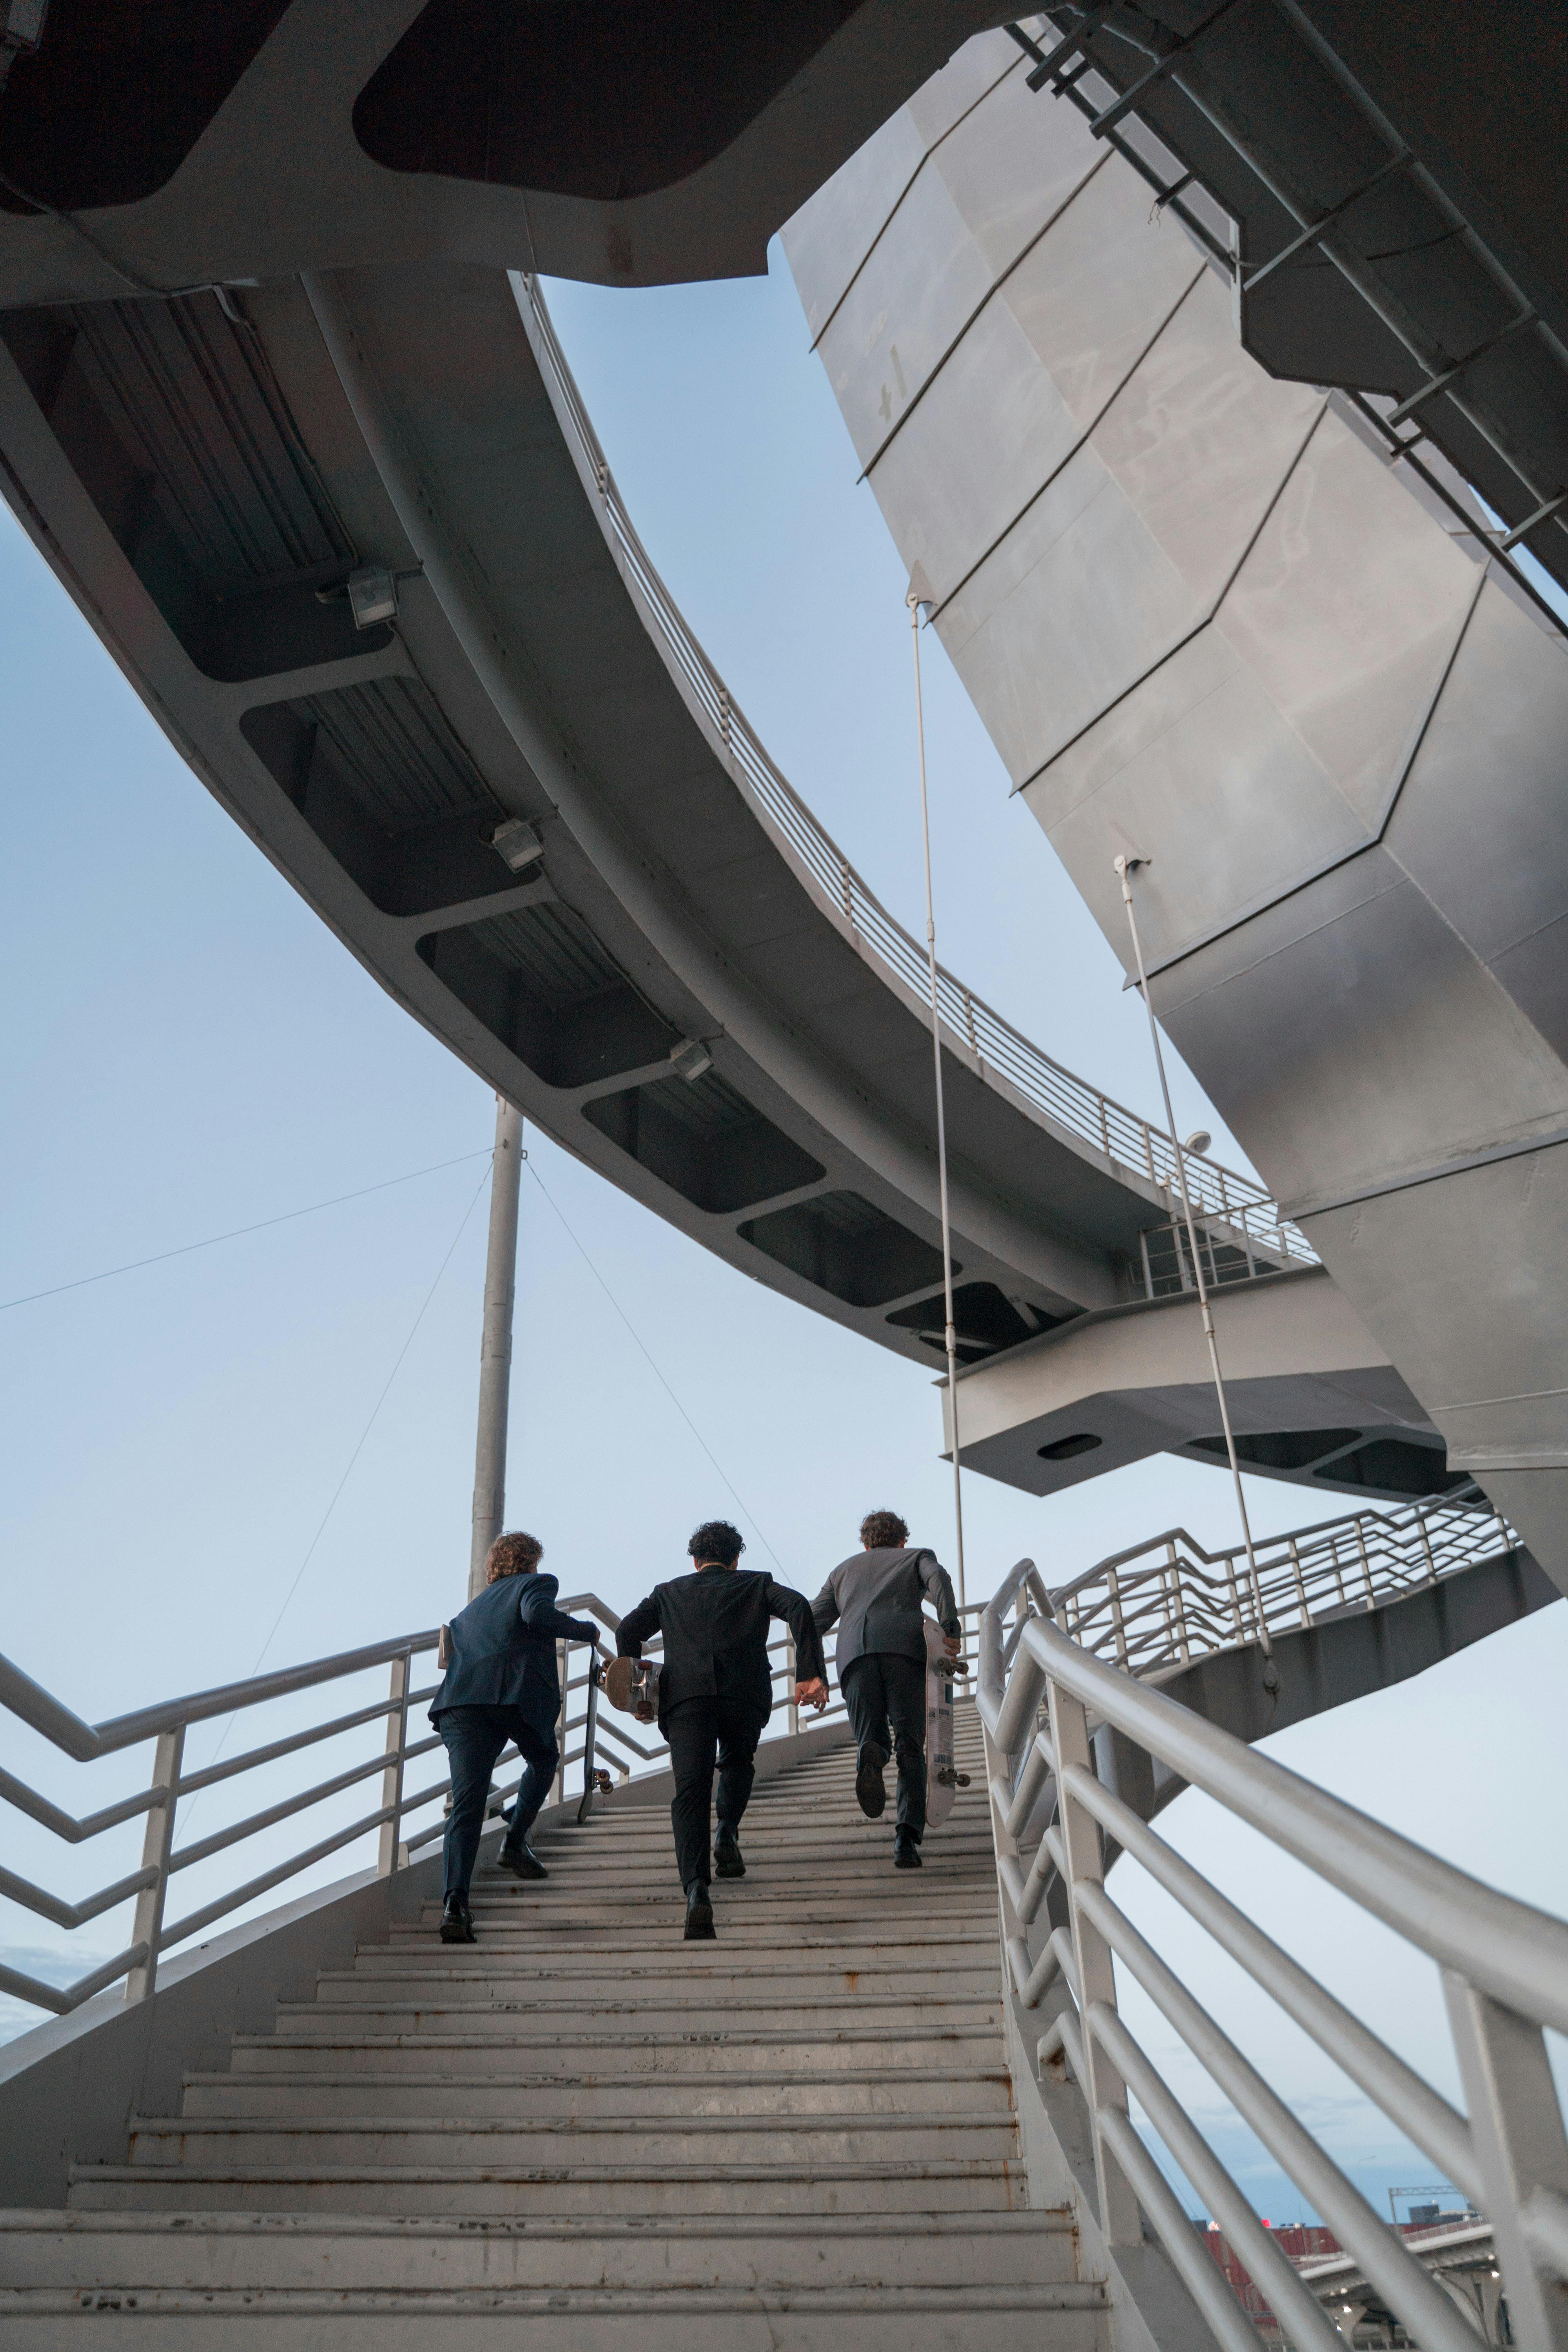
1504,1968
170,1786
1243,1215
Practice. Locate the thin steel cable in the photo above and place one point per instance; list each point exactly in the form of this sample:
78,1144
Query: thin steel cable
951,1336
353,1457
1124,868
185,1248
653,1366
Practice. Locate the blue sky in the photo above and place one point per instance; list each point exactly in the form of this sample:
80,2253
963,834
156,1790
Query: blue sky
188,1050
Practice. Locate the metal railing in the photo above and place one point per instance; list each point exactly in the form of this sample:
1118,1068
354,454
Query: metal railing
1503,1965
1159,1604
972,1031
604,1738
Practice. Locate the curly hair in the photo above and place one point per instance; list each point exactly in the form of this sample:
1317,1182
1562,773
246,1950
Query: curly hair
512,1555
884,1531
717,1540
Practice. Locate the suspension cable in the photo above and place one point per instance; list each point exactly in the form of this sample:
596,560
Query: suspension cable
916,604
1126,867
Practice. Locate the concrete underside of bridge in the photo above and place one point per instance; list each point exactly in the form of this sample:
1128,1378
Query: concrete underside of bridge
1209,628
263,139
1313,1399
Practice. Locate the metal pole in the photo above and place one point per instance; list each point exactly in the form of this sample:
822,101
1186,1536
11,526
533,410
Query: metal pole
1124,867
916,604
495,1348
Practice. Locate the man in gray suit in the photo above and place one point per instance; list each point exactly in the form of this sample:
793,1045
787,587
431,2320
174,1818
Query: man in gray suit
874,1598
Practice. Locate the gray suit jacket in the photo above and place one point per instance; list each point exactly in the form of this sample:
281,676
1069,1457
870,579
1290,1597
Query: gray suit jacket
875,1601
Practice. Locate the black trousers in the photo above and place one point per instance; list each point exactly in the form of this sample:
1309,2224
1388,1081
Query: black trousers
701,1730
474,1737
883,1690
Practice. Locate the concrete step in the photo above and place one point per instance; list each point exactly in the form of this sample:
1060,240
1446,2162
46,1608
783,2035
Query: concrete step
487,1974
875,2319
718,2014
672,2190
931,1943
516,2140
890,2091
343,2253
514,2053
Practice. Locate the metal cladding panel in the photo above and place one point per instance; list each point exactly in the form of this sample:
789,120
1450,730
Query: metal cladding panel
1205,623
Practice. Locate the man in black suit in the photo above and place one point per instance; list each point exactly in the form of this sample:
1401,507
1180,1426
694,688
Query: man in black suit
500,1683
874,1598
715,1692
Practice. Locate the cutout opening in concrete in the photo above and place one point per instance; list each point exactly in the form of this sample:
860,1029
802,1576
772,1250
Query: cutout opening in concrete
1064,1449
984,1317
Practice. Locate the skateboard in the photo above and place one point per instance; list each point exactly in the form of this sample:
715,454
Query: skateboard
944,1779
631,1685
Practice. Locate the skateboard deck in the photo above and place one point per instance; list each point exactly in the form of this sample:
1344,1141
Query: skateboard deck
944,1779
631,1685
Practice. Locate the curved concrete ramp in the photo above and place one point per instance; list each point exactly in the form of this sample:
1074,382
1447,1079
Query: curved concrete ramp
664,961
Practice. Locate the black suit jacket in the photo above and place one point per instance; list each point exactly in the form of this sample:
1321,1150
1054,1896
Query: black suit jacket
715,1626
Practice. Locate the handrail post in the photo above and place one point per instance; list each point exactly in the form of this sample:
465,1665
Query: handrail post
1236,1616
1365,1562
1119,2214
559,1794
790,1681
1426,1547
1113,1583
1174,1573
1301,1585
1516,2125
391,1855
157,1843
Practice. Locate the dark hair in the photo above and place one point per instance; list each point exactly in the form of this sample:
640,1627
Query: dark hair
512,1555
717,1540
883,1531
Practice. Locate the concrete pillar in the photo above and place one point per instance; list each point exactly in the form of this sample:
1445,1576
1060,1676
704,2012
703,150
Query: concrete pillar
495,1347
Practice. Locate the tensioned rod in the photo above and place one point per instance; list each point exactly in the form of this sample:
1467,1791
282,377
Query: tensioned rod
916,605
495,1347
1124,867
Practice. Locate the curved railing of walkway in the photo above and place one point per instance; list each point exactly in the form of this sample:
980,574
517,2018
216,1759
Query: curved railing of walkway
1162,1603
1503,1968
974,1028
606,1743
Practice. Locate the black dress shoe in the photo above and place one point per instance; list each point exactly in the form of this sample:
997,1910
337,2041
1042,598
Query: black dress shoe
870,1794
457,1921
520,1859
699,1914
906,1851
727,1861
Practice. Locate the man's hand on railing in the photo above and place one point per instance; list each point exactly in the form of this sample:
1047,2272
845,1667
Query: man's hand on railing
812,1694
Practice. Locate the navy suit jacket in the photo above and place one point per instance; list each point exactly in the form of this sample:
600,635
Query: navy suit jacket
503,1650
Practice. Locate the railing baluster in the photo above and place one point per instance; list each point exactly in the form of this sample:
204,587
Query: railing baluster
1080,1848
157,1844
390,1855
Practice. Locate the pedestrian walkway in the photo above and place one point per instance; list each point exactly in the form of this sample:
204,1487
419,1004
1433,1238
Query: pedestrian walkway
802,2129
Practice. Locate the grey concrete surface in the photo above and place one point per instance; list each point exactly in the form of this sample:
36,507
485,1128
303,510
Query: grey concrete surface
1208,626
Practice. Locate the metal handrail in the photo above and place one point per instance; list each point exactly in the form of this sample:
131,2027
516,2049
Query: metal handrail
1161,1603
170,1784
1246,1218
1504,1966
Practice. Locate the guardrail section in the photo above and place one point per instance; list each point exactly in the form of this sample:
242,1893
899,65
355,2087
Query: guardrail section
1250,1224
396,1742
1504,1969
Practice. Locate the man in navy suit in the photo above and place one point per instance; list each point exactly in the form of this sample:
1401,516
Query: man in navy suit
500,1683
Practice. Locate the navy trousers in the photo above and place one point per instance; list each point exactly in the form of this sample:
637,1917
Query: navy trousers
474,1737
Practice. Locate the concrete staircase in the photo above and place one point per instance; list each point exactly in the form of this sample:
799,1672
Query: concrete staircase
799,2136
